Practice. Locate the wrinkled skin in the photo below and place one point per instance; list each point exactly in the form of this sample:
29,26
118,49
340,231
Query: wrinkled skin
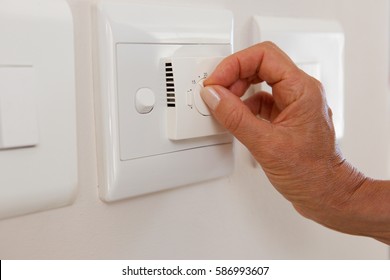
290,133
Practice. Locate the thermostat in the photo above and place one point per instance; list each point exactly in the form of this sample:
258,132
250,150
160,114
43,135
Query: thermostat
153,130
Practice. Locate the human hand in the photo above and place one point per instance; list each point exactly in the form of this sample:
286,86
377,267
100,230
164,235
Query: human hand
290,133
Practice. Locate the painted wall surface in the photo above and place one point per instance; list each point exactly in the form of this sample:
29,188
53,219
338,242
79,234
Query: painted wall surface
239,217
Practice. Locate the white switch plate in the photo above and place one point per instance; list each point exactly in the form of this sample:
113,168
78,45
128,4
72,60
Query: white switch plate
317,47
18,115
143,135
38,161
135,155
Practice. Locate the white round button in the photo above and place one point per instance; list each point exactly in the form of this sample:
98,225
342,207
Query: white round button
144,100
199,103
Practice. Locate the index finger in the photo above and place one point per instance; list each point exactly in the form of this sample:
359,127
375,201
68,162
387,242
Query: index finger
261,62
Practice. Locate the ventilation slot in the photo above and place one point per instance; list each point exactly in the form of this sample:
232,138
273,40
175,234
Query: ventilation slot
170,85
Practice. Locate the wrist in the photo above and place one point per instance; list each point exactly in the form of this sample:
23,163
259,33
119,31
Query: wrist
352,203
369,210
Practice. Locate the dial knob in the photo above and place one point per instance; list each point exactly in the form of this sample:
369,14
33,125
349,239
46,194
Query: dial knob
199,103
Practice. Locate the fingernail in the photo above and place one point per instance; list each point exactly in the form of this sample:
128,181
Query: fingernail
210,97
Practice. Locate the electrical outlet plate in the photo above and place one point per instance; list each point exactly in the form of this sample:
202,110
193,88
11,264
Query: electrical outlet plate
135,153
38,145
317,47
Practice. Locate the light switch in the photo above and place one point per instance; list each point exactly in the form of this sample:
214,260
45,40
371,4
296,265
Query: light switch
169,134
317,47
38,145
18,116
144,100
188,115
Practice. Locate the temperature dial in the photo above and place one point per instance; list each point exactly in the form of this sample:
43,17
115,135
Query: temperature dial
187,115
199,103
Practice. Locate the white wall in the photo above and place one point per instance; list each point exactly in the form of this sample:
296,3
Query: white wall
239,217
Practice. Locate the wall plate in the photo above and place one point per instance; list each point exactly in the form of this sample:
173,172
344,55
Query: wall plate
135,154
317,47
38,149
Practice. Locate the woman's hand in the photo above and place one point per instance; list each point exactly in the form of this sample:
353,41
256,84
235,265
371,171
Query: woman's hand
291,134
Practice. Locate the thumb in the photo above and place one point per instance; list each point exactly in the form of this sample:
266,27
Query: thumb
232,113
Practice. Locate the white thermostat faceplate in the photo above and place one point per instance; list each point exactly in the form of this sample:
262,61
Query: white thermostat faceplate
136,152
188,116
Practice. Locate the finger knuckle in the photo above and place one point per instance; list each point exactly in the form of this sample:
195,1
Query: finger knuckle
269,44
330,112
318,89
